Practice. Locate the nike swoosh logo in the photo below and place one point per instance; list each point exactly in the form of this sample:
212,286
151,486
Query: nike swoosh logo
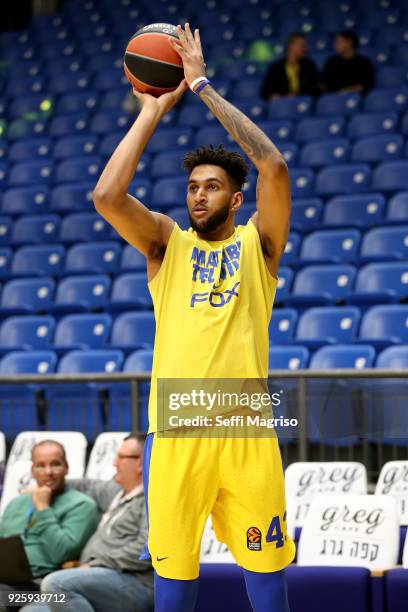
161,558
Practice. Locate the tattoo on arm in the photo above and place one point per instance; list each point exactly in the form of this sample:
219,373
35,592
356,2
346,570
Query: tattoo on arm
251,139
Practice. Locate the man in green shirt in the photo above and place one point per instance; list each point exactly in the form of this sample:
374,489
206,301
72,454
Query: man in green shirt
54,521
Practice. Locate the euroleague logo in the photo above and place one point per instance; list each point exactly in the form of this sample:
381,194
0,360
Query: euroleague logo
254,538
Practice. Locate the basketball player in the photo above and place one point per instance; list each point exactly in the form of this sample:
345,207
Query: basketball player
213,288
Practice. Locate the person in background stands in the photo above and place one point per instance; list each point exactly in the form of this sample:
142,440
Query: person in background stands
54,520
347,70
293,75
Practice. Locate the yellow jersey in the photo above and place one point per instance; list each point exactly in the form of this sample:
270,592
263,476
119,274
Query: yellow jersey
213,303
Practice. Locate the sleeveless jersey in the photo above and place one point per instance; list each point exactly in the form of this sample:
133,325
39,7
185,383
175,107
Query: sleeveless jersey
212,302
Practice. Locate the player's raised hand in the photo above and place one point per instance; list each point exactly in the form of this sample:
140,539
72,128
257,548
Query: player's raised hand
164,103
188,46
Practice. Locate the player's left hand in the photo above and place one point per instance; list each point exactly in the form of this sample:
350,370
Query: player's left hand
190,51
164,103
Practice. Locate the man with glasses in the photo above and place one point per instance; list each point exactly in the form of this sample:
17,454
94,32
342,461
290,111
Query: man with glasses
54,521
110,575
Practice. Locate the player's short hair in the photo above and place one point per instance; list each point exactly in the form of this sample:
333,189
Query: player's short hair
233,163
349,35
292,37
46,443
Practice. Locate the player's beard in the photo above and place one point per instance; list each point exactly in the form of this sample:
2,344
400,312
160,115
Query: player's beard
211,223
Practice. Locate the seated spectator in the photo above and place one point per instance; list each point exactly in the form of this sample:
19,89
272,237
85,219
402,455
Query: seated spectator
54,521
293,75
111,576
347,70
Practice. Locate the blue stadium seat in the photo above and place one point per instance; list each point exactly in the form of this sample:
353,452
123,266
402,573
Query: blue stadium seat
6,224
77,294
372,124
35,229
285,278
246,88
69,64
374,149
325,152
86,227
330,246
71,198
6,256
218,32
338,103
392,76
38,260
120,398
78,102
397,210
301,182
82,331
28,362
112,99
25,200
381,283
169,192
378,100
321,285
68,82
288,357
18,402
93,258
360,211
391,176
132,260
290,152
180,215
256,109
133,330
79,407
347,179
169,139
27,296
75,146
69,125
343,356
382,326
214,135
130,292
282,326
38,172
393,357
20,129
168,164
195,116
318,128
328,325
306,214
241,216
31,149
291,108
141,189
79,169
109,121
29,104
291,251
108,79
26,333
281,130
385,243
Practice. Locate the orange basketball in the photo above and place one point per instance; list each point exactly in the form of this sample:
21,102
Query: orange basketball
150,63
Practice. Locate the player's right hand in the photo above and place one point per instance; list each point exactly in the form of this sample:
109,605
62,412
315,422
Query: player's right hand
164,103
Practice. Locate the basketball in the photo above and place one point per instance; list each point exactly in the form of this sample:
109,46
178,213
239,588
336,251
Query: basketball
150,63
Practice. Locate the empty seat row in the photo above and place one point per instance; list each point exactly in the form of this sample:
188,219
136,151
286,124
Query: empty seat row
380,326
86,153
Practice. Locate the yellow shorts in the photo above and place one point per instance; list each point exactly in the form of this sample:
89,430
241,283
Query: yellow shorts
239,481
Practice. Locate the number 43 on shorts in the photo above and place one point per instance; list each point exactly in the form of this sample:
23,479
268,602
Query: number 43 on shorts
275,533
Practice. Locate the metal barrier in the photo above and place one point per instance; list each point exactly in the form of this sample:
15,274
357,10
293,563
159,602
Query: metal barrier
341,414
